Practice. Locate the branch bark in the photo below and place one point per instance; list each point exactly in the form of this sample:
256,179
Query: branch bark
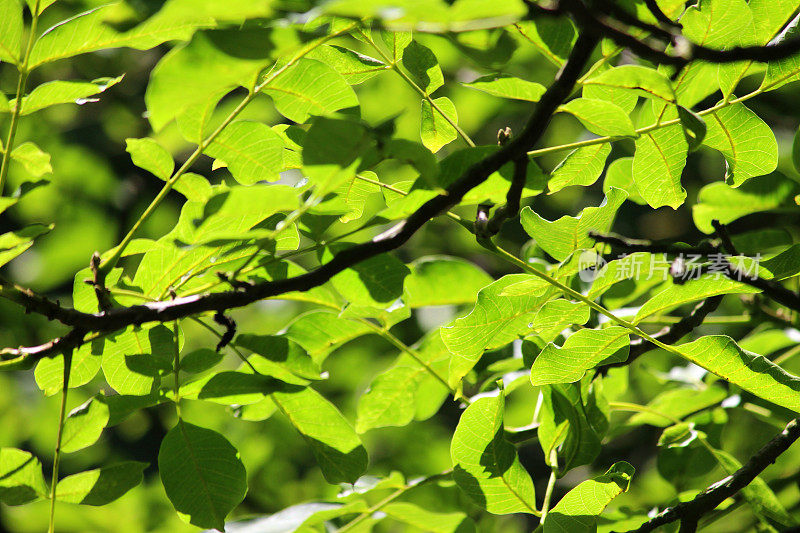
689,512
119,318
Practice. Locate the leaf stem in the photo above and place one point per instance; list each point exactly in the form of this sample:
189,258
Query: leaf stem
548,494
22,82
61,420
400,345
389,499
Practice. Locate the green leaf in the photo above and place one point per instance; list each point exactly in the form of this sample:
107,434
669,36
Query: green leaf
177,20
443,280
282,351
338,450
677,404
375,282
786,70
796,150
582,351
21,478
435,130
495,321
435,522
601,117
641,80
35,161
769,16
658,164
694,128
406,391
485,465
748,144
134,359
332,152
14,243
580,508
65,92
567,234
308,88
506,86
86,362
10,31
421,63
151,156
552,36
320,332
556,315
573,420
231,388
229,214
202,474
582,167
396,42
619,174
84,425
354,67
252,151
724,203
100,486
761,498
696,289
754,373
181,80
200,360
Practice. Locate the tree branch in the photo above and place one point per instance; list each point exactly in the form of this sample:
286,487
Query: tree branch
689,512
687,51
772,289
118,318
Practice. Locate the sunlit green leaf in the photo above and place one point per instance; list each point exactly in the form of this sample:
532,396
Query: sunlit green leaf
600,117
10,30
65,92
151,156
252,151
746,141
442,280
579,508
202,474
435,128
495,321
752,372
581,351
582,166
563,236
507,86
84,425
308,88
21,478
485,465
338,450
102,485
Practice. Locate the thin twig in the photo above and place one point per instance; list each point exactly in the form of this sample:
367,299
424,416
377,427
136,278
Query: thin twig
689,512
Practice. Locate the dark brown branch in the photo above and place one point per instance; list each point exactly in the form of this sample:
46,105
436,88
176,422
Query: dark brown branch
659,15
771,289
26,356
178,308
670,334
514,195
687,51
689,512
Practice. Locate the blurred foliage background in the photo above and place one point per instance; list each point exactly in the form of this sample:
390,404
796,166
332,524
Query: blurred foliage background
96,193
